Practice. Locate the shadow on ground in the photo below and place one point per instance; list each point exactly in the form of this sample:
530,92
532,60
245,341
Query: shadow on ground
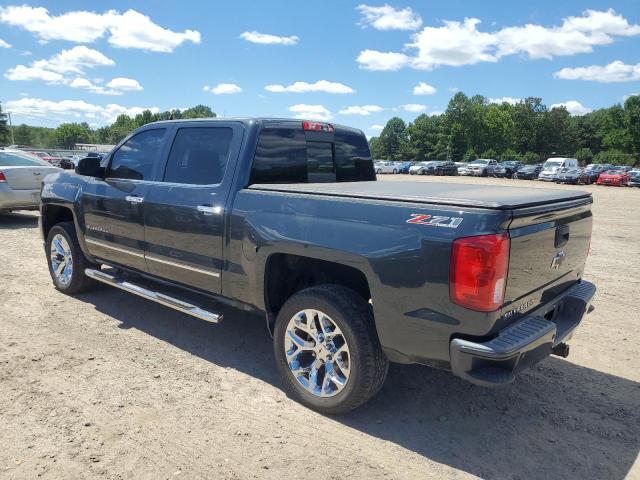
18,220
559,420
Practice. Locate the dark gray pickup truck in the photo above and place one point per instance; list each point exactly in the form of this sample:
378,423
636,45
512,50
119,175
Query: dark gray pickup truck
285,218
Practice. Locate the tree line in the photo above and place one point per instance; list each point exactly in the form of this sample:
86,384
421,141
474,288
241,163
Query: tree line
474,127
66,135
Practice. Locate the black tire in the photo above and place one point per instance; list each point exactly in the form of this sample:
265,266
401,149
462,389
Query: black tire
79,281
368,364
395,171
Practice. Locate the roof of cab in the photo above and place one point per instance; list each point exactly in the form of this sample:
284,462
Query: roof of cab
250,121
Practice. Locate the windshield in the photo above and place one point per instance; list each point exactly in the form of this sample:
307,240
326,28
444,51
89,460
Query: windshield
479,162
553,163
13,159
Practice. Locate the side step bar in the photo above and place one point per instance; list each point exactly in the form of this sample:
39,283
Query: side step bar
157,297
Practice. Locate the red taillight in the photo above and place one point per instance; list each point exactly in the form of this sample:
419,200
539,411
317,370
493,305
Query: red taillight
3,179
317,126
478,275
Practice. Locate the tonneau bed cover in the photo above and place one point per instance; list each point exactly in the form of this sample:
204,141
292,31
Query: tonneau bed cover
455,194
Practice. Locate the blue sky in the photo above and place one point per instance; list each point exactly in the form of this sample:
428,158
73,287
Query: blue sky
358,63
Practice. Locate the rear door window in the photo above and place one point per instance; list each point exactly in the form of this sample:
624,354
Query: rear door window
287,155
199,155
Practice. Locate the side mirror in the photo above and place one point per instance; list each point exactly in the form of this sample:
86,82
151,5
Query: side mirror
90,167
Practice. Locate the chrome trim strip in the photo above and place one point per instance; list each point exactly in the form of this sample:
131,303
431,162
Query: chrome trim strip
117,249
155,296
181,265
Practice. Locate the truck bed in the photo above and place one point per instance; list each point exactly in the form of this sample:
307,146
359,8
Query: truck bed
454,194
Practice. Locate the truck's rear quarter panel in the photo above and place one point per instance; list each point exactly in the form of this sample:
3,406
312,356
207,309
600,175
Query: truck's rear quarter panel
406,265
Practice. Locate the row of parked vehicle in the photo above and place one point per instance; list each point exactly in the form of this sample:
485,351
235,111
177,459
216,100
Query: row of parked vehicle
559,170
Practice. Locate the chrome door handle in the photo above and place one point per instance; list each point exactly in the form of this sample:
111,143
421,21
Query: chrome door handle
134,199
208,209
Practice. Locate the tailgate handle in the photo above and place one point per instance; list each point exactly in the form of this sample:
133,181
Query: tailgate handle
562,235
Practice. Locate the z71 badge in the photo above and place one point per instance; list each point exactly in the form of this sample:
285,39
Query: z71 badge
435,220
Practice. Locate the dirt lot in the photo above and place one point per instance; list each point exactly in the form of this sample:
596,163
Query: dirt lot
107,385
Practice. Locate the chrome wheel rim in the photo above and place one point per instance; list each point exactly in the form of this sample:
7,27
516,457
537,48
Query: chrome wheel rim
61,259
317,353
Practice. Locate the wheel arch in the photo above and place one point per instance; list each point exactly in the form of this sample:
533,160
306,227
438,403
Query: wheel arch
288,273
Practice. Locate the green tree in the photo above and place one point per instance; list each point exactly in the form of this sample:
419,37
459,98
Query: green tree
491,153
392,138
68,134
531,158
469,155
509,154
615,157
4,130
23,135
584,156
632,121
199,111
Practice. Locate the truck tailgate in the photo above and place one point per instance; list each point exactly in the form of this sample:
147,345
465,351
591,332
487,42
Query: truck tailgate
549,248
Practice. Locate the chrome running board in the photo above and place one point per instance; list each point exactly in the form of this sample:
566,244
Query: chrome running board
152,295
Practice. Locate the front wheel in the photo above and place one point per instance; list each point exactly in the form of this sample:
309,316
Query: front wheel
327,350
66,260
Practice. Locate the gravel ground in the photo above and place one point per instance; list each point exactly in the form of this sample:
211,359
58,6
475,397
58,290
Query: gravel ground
107,385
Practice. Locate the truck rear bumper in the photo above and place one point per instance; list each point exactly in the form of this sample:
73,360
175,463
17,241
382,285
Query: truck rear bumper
523,344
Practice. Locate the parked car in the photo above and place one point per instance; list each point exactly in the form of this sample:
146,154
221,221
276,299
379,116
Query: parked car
21,175
634,178
404,167
615,177
420,168
482,167
553,166
528,172
574,176
185,212
507,169
386,167
442,168
50,159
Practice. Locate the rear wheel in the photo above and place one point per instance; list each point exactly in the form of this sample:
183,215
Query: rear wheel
66,260
395,171
327,350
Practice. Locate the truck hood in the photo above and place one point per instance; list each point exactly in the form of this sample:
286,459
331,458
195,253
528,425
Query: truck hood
454,194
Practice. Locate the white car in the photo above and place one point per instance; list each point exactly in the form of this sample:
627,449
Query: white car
386,167
482,167
419,168
553,166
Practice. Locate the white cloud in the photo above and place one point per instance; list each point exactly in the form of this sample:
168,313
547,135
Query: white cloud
382,61
130,29
125,84
573,107
4,44
56,68
304,87
462,43
268,39
414,107
115,87
377,127
388,18
453,44
66,110
424,89
310,112
616,71
360,110
509,100
223,89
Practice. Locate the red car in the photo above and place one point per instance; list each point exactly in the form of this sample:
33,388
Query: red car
618,178
48,158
